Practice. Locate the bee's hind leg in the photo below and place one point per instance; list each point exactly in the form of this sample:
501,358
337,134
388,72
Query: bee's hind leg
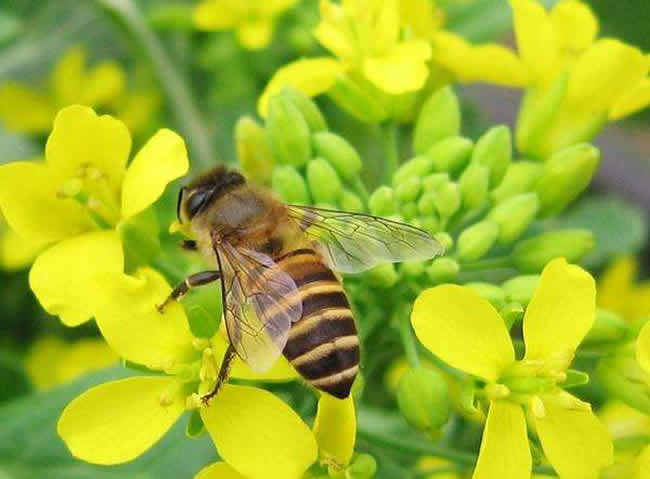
224,372
192,281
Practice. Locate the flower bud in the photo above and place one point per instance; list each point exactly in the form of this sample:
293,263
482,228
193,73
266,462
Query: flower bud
608,328
409,210
288,131
408,190
623,378
430,224
494,150
356,100
476,241
412,269
423,399
447,199
520,177
511,313
382,276
566,174
442,270
339,153
474,186
310,112
382,201
254,150
350,202
450,154
438,119
514,215
520,289
417,167
427,204
290,185
532,254
490,292
324,184
435,181
444,239
363,466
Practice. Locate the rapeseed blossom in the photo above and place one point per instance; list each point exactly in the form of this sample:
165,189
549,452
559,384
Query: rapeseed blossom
620,292
467,332
80,201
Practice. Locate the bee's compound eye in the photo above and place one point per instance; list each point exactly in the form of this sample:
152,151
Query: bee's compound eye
197,200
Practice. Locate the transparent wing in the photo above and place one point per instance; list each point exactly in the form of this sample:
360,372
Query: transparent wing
260,303
355,242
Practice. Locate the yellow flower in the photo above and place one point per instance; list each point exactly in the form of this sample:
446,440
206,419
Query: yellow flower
371,55
79,200
51,361
253,21
619,291
436,464
467,332
16,252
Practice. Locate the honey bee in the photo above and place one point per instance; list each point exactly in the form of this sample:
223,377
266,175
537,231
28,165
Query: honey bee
276,264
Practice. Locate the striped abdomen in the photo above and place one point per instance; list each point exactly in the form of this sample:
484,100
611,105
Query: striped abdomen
323,346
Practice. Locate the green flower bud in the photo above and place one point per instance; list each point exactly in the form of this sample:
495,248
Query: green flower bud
430,224
382,276
363,466
341,155
473,185
520,289
492,293
511,313
566,174
427,204
447,199
438,119
476,241
312,115
382,201
532,254
290,185
432,183
608,328
350,202
494,150
514,215
409,210
288,131
412,269
623,378
324,184
520,177
254,150
423,399
357,100
442,270
451,154
444,239
416,167
408,190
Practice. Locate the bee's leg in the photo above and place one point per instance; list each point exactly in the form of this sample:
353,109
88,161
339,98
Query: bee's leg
224,372
192,281
189,245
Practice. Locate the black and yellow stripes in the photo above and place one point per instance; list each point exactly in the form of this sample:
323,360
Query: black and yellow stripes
323,345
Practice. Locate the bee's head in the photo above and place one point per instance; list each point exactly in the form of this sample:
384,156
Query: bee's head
203,191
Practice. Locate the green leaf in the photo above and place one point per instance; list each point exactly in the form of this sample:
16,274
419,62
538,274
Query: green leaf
13,380
30,447
618,227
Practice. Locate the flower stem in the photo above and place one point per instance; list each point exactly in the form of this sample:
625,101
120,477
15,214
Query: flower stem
188,117
391,149
408,341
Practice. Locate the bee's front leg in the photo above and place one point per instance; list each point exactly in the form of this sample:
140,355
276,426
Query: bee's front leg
192,281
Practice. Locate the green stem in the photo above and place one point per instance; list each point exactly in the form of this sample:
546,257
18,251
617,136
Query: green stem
360,189
188,117
489,263
391,148
408,341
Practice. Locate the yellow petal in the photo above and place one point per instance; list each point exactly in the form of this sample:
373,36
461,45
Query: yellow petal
560,313
402,70
643,347
635,99
463,329
575,442
606,72
536,40
504,447
255,34
386,29
258,434
575,25
118,421
333,32
61,277
66,80
624,421
25,110
81,138
218,470
335,429
209,15
103,84
160,161
17,252
40,361
125,311
311,76
29,202
82,357
485,63
615,285
642,464
421,17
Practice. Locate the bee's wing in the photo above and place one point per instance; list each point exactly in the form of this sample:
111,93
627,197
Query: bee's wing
260,303
355,242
